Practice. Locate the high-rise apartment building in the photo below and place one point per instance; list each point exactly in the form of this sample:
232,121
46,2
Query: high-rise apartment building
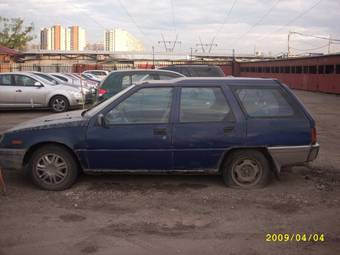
60,38
118,39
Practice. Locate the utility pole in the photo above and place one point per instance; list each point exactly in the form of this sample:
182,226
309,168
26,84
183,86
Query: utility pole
191,53
169,46
153,56
233,64
289,53
329,44
204,45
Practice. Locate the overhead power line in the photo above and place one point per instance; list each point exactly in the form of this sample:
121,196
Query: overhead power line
173,15
259,21
132,19
87,15
226,17
311,49
317,37
299,16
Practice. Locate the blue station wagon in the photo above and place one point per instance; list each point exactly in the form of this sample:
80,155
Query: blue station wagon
243,129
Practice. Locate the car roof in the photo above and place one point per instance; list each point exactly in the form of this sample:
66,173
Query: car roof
94,70
214,81
192,65
146,70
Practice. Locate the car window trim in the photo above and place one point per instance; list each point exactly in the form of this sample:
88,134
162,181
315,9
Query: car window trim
177,120
147,123
10,78
26,86
286,97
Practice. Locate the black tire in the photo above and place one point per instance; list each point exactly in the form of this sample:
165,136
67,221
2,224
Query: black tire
246,169
58,175
59,104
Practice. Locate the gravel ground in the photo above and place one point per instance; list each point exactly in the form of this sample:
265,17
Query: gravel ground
127,214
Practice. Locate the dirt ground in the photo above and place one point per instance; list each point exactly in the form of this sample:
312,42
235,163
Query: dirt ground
126,214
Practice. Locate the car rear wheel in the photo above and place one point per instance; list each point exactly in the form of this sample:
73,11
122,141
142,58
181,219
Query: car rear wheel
59,104
246,169
53,168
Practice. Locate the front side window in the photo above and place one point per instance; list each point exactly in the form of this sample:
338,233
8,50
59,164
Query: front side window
168,76
5,80
23,80
141,77
148,105
126,81
203,105
264,102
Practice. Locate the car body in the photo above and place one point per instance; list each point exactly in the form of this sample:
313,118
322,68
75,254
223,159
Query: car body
66,79
100,74
118,80
196,70
88,92
88,89
244,129
80,80
27,90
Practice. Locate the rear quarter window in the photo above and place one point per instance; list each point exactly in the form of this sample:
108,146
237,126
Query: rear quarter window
5,80
265,102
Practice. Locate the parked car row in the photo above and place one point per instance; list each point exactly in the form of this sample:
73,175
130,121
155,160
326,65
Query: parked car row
63,91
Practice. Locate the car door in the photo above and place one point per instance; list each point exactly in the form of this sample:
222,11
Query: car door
7,91
136,135
205,128
26,93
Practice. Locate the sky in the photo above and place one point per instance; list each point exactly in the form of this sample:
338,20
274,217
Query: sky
243,25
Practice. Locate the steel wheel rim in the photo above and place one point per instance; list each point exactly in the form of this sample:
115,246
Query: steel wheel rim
51,169
59,104
246,172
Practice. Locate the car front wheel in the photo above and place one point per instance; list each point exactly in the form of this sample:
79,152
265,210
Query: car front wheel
53,168
246,169
59,104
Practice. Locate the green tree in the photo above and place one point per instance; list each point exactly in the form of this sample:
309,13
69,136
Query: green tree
13,34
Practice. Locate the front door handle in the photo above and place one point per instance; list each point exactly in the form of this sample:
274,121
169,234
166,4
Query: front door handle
159,131
228,129
18,90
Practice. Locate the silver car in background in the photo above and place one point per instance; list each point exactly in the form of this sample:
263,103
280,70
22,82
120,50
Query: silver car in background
27,90
99,74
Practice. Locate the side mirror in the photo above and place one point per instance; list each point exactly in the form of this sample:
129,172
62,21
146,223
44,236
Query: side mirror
38,84
101,120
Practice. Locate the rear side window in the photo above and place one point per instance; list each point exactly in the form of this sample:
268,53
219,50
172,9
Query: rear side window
5,80
113,82
203,105
264,102
168,76
210,71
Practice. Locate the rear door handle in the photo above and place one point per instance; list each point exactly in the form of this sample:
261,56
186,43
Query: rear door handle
159,131
18,90
228,129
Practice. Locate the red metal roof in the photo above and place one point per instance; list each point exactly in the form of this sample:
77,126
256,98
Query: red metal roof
8,51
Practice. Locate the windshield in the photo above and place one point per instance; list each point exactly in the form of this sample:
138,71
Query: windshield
100,106
47,77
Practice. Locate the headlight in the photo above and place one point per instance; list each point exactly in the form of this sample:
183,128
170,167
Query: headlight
77,94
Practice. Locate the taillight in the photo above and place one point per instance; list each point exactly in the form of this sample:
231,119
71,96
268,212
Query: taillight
101,92
314,139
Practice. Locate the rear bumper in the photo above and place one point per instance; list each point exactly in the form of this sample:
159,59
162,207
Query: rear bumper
12,158
293,155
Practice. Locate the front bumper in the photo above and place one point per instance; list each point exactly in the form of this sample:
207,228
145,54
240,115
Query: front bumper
12,158
293,155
